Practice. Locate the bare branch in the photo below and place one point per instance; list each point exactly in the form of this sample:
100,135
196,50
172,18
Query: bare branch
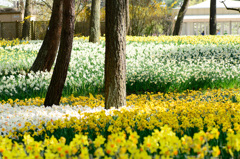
236,9
78,10
39,4
48,5
43,3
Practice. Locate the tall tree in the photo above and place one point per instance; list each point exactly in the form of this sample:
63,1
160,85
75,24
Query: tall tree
27,23
49,48
115,56
54,92
95,22
127,17
212,23
178,25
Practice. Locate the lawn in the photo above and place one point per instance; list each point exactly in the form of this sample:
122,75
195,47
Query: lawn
183,101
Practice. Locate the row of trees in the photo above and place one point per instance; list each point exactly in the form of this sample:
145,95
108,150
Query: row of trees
148,17
60,35
42,8
60,32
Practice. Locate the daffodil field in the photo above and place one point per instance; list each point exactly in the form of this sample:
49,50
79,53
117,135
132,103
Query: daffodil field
152,66
183,102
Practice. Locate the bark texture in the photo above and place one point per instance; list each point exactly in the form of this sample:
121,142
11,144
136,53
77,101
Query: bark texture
95,22
54,92
115,57
127,17
178,25
212,23
27,24
50,45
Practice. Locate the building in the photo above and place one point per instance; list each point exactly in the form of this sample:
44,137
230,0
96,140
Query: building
196,19
15,12
11,19
10,15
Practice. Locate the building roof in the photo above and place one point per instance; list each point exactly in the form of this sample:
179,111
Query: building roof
9,10
221,17
201,12
206,4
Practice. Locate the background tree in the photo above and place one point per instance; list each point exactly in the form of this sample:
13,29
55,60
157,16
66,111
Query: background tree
95,22
178,25
27,24
150,18
55,88
127,16
176,3
212,23
50,45
44,8
115,56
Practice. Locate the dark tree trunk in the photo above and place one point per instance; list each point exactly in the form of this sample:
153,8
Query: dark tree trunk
115,57
212,22
49,48
95,22
27,24
54,92
178,25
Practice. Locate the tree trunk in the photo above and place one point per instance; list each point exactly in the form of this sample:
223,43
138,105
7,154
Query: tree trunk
54,92
27,24
21,5
95,22
178,25
115,57
127,17
212,22
49,48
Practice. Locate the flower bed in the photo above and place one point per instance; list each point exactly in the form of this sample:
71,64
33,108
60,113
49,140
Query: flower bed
5,43
173,121
152,66
193,123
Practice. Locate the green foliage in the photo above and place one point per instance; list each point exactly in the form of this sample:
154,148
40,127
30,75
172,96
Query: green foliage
150,18
175,2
